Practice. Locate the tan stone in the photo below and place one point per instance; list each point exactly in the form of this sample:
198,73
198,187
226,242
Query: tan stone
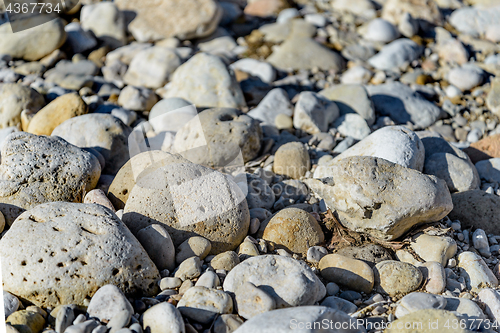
294,230
484,149
352,273
26,321
396,278
434,248
292,160
55,113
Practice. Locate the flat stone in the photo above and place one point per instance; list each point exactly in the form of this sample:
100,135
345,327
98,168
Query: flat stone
275,103
459,174
10,303
466,77
489,170
108,302
434,277
189,269
196,201
299,52
26,321
371,254
420,320
396,278
106,21
475,271
252,301
42,169
97,196
339,304
226,261
491,299
403,105
386,214
152,67
380,30
203,304
294,230
352,125
207,82
474,20
70,251
274,275
426,10
354,274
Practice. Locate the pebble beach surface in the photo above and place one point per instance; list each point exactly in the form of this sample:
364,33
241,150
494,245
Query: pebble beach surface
247,166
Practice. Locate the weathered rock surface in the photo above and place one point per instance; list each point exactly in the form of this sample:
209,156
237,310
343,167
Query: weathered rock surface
353,189
71,250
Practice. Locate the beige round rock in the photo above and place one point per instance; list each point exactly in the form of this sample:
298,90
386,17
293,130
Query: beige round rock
26,321
189,200
56,112
396,278
294,230
226,261
194,246
69,251
292,160
352,273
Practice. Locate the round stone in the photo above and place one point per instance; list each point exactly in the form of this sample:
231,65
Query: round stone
294,230
292,160
226,261
275,274
189,200
352,273
69,251
194,246
396,278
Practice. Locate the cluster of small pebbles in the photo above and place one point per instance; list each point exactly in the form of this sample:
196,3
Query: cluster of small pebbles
217,166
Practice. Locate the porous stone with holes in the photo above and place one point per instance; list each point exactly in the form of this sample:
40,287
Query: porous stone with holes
68,251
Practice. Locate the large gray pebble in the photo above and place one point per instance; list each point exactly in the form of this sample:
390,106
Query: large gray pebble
194,201
353,186
274,275
71,250
38,169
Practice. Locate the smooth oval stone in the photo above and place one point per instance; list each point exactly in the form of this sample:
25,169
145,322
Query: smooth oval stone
274,274
396,278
